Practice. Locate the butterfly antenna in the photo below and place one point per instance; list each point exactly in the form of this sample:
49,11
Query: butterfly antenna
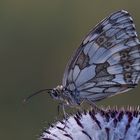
36,93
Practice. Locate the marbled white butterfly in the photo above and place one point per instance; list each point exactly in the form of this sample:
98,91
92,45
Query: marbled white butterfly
106,63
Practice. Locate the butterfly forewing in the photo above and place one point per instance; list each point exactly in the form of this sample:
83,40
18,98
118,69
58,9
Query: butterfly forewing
107,61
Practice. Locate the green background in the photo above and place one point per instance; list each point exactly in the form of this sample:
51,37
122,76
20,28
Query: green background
37,37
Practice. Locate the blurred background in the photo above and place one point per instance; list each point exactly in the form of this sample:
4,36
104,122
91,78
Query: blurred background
37,37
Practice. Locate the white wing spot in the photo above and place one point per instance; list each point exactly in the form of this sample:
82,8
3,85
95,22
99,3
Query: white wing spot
85,75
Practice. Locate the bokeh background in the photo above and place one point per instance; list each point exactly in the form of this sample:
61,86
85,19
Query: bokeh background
37,37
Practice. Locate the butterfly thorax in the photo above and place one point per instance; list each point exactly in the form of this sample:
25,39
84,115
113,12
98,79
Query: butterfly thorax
62,94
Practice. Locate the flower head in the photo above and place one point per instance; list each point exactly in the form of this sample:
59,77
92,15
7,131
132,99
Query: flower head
111,124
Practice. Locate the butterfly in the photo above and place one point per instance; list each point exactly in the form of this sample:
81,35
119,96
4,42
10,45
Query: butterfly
106,63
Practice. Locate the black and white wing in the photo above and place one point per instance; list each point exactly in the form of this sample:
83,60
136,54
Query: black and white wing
108,60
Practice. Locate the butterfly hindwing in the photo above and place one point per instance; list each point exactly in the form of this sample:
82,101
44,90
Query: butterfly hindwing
108,60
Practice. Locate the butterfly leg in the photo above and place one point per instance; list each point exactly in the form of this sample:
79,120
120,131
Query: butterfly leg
63,106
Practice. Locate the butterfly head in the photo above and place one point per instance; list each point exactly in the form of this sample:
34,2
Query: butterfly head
61,94
56,93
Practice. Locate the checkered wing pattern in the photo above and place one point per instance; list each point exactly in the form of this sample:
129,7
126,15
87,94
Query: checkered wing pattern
107,61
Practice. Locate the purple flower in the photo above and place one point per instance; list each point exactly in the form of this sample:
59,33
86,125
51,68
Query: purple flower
111,124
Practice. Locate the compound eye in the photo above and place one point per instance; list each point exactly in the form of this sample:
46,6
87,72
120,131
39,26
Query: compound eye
54,93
